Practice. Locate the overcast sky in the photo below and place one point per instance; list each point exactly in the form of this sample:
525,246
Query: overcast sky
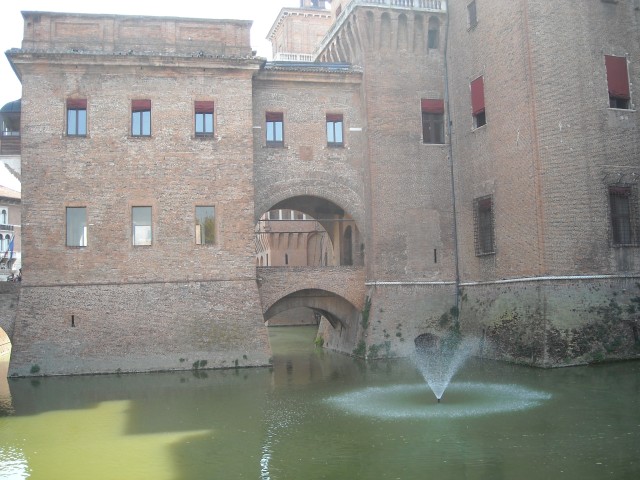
262,12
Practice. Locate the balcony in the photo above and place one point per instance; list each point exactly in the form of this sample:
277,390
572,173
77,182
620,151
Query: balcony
293,57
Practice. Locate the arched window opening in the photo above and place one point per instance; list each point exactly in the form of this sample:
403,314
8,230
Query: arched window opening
433,41
347,247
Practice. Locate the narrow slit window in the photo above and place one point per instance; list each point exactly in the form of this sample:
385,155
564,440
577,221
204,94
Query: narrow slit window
477,103
205,225
432,121
275,129
621,206
472,13
618,82
484,230
76,117
204,118
141,225
76,227
335,130
141,118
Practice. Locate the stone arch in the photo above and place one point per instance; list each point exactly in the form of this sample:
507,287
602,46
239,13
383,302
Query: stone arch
385,31
338,194
317,249
418,34
5,342
403,33
336,309
433,36
330,219
370,28
354,40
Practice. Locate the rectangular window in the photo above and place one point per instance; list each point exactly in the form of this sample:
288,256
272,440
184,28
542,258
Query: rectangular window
432,121
621,203
204,118
484,233
472,14
141,118
76,227
76,117
205,225
334,130
617,81
275,129
141,225
477,103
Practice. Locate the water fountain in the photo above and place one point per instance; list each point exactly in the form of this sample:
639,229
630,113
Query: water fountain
439,357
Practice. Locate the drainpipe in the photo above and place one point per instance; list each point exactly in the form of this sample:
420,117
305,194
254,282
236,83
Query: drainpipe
451,166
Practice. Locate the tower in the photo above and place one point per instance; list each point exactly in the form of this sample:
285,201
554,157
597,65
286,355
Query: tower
297,31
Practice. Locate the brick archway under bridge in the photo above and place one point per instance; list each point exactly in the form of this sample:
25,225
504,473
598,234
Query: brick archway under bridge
337,293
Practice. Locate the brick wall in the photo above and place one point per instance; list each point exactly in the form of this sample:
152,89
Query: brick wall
9,295
138,327
127,34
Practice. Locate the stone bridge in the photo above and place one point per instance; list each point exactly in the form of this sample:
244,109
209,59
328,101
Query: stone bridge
336,292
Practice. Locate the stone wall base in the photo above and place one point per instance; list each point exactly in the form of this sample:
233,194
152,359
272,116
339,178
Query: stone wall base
138,328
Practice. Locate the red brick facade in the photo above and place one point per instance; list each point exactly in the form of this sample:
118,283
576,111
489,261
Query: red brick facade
501,221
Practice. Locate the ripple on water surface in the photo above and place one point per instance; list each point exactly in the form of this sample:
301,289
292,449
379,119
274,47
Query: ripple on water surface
418,401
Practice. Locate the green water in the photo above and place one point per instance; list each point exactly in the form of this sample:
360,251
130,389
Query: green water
318,415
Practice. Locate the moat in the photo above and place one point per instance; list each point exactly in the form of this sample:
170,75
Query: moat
319,415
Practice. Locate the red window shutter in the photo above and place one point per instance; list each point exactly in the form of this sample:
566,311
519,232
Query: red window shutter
204,106
620,191
485,203
617,76
477,95
334,117
432,106
77,103
140,105
274,116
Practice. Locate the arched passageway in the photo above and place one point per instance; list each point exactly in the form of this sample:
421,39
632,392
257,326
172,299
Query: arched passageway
5,345
307,231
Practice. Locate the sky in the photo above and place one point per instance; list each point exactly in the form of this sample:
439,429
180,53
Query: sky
262,12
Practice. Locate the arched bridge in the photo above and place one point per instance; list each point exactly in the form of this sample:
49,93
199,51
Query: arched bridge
335,292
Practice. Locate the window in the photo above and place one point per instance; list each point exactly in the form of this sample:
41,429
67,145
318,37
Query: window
141,225
204,118
205,225
76,117
621,203
477,103
432,121
141,118
76,227
334,130
472,14
617,81
275,129
433,40
483,217
4,216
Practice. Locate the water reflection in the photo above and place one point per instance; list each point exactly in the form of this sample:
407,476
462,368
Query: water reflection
280,423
